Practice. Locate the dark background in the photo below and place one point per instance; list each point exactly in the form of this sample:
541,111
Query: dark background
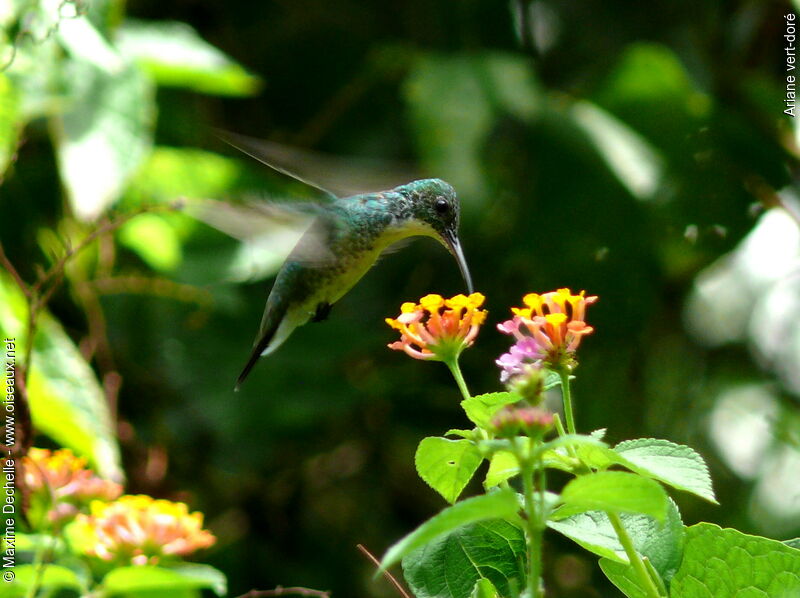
315,454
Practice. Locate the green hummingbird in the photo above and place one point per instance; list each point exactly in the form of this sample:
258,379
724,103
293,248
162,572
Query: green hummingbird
345,238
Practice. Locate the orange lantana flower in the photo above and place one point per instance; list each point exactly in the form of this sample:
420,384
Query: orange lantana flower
141,530
61,484
438,329
548,331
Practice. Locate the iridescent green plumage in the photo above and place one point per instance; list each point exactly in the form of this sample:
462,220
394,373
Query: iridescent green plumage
343,242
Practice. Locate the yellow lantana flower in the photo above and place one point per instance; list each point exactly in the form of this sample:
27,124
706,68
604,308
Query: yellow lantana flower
438,329
141,530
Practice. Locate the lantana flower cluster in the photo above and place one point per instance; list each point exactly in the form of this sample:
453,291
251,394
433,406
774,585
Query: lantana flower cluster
141,530
436,328
61,485
547,330
124,530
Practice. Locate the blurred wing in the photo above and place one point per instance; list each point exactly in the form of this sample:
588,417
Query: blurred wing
267,153
330,174
269,232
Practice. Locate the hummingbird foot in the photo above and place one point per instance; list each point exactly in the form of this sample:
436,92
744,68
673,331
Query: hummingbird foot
322,313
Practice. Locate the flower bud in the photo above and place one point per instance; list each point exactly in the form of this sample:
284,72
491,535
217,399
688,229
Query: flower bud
529,384
533,422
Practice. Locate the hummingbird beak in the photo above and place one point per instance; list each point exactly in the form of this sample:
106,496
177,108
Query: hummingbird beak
452,244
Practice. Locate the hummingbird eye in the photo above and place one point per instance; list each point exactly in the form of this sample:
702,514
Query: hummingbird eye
441,205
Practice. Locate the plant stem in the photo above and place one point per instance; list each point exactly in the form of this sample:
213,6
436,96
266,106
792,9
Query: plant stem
40,564
455,369
534,522
559,425
636,561
567,398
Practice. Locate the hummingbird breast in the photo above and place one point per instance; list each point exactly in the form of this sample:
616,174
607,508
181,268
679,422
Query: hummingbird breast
337,251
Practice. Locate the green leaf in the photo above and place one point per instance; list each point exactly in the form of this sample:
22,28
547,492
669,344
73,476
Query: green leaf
676,465
10,125
450,139
481,408
627,154
793,543
154,239
577,441
599,434
54,577
175,55
453,566
502,466
86,44
446,465
650,73
593,531
624,577
148,578
484,589
503,504
181,172
65,398
616,491
105,136
725,563
469,434
661,543
552,379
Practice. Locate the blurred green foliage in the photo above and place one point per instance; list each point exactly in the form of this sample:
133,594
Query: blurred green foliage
611,147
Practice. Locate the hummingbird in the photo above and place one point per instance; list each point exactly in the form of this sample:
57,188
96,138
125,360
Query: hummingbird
346,237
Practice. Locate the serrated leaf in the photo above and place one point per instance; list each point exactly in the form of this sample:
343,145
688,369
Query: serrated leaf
481,408
453,565
175,55
125,580
447,466
65,398
725,563
661,543
624,577
105,136
502,466
618,492
592,530
502,504
676,465
577,441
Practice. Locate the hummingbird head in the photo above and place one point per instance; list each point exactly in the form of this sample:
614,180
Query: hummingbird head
435,209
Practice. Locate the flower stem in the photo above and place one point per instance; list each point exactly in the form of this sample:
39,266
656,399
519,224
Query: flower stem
559,425
645,581
455,369
567,398
43,554
534,522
